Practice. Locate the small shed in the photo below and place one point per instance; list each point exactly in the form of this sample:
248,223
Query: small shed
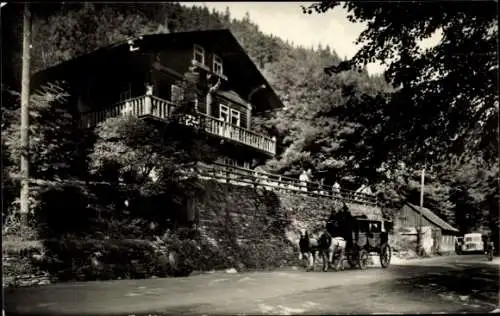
438,236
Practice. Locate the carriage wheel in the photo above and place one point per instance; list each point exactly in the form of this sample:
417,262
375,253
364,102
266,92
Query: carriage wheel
352,259
385,255
363,259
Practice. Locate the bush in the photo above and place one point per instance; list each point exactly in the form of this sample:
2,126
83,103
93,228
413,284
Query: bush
169,255
188,254
91,259
266,255
21,252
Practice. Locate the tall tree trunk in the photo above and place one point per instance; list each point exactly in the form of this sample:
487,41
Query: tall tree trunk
25,96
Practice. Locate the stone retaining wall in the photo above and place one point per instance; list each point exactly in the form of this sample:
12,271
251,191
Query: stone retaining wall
252,228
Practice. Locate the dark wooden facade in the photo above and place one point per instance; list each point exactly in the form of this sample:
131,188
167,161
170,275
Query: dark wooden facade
102,79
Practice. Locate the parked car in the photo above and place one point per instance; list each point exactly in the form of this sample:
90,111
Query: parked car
473,242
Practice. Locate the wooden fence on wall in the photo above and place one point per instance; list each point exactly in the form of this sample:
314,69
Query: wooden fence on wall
259,179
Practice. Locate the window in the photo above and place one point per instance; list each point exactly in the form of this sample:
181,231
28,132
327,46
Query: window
199,54
176,93
240,163
362,226
229,115
217,65
224,113
374,228
235,117
229,161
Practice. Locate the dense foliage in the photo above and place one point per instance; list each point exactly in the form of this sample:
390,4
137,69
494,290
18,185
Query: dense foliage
449,90
444,112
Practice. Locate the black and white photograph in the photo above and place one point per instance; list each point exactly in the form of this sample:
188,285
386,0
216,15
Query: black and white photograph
250,158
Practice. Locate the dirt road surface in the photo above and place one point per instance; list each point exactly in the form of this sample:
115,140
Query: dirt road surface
443,284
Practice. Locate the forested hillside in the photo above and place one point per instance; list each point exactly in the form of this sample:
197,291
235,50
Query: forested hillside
329,123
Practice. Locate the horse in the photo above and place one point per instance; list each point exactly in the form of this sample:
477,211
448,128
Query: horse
308,249
335,250
325,245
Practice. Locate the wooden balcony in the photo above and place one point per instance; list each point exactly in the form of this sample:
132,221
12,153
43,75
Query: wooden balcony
154,106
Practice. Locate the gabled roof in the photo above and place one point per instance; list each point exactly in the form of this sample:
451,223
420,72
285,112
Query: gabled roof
240,68
433,218
232,96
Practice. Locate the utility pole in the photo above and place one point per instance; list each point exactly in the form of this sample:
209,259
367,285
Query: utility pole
25,98
419,232
422,182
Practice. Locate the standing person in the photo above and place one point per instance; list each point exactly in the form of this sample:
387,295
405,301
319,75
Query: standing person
304,179
490,248
321,186
148,101
212,88
336,188
309,180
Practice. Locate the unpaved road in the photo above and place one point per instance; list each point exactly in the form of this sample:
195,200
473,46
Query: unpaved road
445,284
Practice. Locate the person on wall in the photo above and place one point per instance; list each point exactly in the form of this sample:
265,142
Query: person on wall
304,179
336,189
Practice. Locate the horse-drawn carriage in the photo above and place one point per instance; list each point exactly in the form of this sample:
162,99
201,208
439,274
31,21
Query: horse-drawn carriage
367,237
353,239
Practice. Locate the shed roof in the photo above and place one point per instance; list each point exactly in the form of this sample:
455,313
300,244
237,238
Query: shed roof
433,218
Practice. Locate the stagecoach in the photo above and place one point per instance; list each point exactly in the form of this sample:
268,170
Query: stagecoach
365,238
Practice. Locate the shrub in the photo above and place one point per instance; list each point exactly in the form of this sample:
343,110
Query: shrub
266,254
21,252
189,254
91,259
72,259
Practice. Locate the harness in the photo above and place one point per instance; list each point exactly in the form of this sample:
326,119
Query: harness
304,244
308,245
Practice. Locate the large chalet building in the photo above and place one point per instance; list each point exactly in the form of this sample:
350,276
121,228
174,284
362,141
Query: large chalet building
141,77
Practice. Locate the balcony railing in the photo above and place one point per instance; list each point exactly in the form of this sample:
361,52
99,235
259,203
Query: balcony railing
151,105
236,133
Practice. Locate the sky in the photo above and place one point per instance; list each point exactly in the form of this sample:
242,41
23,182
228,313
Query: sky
286,20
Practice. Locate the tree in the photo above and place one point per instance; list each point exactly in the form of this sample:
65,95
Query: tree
324,124
226,18
474,186
446,101
444,110
79,29
152,165
55,159
54,137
